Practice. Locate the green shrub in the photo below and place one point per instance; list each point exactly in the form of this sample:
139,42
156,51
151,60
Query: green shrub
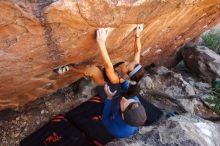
159,98
215,99
217,86
212,41
182,66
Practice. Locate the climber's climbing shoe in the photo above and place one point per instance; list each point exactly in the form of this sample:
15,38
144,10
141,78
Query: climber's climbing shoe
63,69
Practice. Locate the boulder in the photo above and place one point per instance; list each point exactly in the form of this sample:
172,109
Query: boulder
164,80
182,88
39,36
202,62
184,130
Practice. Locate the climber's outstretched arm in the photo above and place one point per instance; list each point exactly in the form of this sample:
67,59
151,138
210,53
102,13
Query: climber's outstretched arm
137,47
102,35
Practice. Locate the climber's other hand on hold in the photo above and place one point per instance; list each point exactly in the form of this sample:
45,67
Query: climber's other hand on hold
102,34
139,29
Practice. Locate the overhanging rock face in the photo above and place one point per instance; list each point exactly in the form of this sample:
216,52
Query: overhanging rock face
37,36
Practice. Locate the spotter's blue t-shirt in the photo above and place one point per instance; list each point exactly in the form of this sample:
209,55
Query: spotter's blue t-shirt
114,122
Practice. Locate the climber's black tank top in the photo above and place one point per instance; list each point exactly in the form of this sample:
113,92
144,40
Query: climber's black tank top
114,66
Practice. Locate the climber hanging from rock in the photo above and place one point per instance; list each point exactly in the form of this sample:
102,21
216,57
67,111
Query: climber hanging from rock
119,73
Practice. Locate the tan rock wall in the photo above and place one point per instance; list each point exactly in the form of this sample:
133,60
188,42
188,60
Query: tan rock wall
37,36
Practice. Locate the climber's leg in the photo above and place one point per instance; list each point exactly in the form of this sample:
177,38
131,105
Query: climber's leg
92,71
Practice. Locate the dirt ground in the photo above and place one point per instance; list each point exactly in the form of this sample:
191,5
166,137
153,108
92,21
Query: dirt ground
18,123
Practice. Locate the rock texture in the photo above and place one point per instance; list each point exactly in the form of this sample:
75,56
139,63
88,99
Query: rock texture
189,93
38,36
165,80
184,130
203,62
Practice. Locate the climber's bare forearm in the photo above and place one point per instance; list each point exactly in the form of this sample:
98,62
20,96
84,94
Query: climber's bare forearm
77,70
137,44
108,64
105,57
137,51
102,34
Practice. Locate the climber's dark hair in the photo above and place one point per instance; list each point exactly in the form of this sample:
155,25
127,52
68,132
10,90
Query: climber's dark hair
138,75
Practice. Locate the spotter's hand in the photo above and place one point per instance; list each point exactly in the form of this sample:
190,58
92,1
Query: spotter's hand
108,92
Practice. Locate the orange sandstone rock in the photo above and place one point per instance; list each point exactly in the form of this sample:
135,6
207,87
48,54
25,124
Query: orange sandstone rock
38,36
